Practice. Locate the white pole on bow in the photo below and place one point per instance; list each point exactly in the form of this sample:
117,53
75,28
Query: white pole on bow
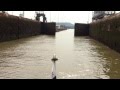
54,59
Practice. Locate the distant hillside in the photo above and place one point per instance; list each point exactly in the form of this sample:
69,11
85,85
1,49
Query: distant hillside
67,24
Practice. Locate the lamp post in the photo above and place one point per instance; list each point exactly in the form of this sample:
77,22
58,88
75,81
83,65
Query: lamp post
23,13
88,17
58,17
114,12
50,16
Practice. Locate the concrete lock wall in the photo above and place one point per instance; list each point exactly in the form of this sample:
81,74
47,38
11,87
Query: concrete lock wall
13,27
107,31
8,28
28,28
48,28
81,29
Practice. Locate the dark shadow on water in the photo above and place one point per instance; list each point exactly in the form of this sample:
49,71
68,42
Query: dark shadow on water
15,43
110,59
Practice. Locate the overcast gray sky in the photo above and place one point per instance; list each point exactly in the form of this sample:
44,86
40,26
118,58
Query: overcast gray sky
61,16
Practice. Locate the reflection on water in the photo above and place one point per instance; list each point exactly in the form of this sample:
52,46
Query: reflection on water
79,58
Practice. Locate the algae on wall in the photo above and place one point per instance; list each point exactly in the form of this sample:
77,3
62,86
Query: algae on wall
13,27
107,31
